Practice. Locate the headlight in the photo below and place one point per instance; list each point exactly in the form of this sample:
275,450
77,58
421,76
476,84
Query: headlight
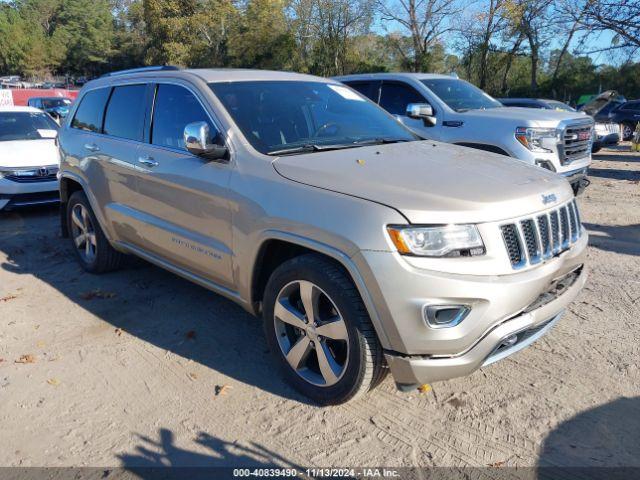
536,138
441,241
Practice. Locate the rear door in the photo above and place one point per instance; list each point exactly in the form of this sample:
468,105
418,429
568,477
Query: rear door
183,197
117,150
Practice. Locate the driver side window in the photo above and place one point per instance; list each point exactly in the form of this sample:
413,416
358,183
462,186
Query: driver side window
394,97
174,108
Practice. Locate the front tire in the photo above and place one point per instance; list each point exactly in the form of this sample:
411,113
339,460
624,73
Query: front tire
93,250
627,131
319,331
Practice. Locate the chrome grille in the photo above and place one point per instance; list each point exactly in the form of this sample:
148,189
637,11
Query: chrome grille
576,143
531,240
34,175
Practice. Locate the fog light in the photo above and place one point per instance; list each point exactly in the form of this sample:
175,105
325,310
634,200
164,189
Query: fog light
445,316
509,341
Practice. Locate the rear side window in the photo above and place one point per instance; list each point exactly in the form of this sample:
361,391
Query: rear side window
368,89
631,106
395,97
174,108
89,114
125,112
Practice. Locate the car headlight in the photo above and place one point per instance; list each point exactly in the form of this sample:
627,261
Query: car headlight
536,139
437,241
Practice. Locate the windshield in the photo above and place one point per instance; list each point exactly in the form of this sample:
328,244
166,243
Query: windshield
279,117
56,102
556,105
460,95
24,125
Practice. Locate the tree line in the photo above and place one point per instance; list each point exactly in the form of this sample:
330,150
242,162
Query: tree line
507,47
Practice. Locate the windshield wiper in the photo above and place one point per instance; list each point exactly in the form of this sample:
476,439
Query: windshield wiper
380,141
311,147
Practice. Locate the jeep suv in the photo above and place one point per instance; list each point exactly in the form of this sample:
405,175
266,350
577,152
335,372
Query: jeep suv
444,108
364,249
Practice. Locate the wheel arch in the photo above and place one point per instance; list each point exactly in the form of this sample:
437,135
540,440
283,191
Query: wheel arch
277,247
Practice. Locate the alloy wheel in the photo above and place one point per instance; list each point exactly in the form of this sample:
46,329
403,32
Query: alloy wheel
311,333
83,233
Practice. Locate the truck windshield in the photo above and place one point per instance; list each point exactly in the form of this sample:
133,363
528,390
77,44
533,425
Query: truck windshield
56,102
460,95
291,117
24,125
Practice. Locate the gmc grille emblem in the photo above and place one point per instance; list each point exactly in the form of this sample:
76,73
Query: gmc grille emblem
546,199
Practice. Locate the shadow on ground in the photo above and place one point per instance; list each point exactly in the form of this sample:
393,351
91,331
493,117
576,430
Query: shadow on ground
623,239
145,301
603,442
216,453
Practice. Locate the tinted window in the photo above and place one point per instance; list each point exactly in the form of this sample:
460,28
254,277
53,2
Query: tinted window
460,95
395,97
24,125
283,115
175,107
631,106
91,109
368,89
125,112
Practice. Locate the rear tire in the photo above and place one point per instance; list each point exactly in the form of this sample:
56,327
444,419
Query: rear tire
93,250
627,131
355,362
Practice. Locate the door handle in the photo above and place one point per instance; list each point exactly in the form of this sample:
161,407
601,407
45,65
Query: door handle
92,147
148,161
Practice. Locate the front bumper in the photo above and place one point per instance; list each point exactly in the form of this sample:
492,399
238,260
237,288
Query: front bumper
501,305
527,328
15,194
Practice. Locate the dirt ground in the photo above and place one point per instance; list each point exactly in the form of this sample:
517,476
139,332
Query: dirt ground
142,368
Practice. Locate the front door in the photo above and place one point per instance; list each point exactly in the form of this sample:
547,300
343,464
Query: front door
395,97
187,219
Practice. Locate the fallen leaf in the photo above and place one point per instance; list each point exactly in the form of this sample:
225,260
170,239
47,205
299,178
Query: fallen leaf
222,389
7,298
118,331
97,293
192,376
424,388
28,358
1,360
496,464
191,335
53,381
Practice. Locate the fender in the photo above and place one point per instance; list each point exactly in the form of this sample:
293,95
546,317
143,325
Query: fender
340,257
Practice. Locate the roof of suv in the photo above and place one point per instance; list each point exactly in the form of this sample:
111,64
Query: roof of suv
18,108
373,76
212,75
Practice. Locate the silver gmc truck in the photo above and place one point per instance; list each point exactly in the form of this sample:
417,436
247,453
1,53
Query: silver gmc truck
364,249
444,108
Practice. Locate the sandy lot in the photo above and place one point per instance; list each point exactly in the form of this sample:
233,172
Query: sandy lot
140,367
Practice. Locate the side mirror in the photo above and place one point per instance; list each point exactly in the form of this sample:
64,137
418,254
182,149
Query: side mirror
198,139
422,111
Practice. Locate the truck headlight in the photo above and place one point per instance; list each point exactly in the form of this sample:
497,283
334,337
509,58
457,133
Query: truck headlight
535,138
437,241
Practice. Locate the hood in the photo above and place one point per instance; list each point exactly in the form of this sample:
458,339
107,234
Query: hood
522,114
594,106
28,153
431,182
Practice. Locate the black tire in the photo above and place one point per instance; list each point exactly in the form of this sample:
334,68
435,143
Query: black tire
595,149
365,367
627,134
106,258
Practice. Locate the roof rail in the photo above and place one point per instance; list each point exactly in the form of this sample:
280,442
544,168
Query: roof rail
154,68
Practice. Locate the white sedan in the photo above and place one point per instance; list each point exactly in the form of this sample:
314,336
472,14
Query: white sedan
29,157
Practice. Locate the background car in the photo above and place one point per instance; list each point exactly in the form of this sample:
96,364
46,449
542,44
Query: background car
57,107
29,157
536,103
628,116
